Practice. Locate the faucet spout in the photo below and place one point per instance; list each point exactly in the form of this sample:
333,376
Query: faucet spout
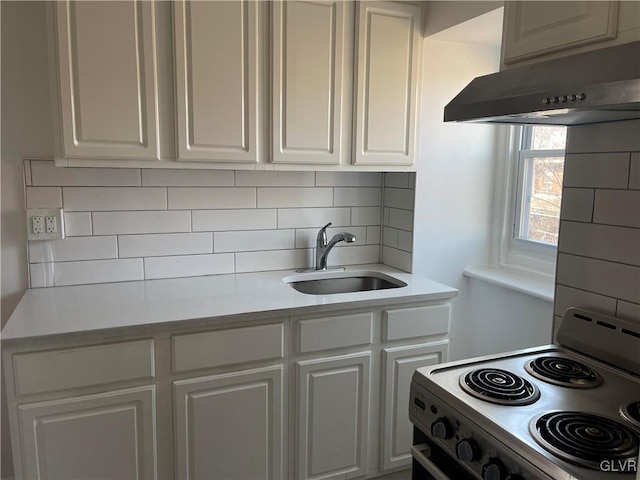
323,247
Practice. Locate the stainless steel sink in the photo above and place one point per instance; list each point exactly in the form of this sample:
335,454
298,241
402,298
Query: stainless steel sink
343,282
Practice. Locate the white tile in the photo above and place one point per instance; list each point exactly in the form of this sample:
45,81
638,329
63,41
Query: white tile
46,173
188,266
567,297
98,271
348,179
634,171
253,240
628,311
217,220
402,219
274,179
396,258
86,199
44,197
186,178
273,260
603,170
398,198
604,137
357,197
412,180
396,179
77,224
617,207
294,197
405,241
41,275
616,244
164,244
385,216
577,204
366,215
27,172
390,237
598,276
357,255
214,197
373,235
312,217
306,237
74,248
107,223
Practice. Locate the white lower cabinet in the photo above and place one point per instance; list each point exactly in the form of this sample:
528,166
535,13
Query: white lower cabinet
399,363
230,426
332,416
109,435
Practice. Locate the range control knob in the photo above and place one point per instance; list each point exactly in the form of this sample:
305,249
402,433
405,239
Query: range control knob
514,476
581,96
441,428
467,450
555,99
493,470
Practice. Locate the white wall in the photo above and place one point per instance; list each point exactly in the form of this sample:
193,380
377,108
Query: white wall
440,15
453,212
26,130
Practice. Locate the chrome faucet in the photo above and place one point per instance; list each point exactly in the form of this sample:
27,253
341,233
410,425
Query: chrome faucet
323,247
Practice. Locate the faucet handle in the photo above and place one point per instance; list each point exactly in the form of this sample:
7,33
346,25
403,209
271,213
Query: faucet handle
321,238
325,227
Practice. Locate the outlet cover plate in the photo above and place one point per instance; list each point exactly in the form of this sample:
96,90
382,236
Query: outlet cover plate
56,213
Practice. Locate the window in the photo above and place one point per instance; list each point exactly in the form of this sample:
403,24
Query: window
539,187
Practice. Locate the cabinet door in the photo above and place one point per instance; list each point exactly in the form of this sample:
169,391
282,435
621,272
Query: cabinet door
387,82
107,79
105,436
216,63
332,417
308,67
399,364
230,426
534,29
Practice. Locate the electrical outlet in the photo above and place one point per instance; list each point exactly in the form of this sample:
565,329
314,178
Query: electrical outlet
51,225
45,224
37,225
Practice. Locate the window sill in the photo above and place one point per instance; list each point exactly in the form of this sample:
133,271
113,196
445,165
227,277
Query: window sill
541,288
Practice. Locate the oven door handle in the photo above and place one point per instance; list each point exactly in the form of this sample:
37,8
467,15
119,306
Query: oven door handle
421,454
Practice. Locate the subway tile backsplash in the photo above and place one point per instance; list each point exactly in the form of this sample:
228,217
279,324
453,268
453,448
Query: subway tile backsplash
599,242
135,224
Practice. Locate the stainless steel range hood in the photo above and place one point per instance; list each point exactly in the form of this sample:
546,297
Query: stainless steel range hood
592,87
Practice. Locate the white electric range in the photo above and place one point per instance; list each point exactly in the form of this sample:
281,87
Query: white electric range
569,411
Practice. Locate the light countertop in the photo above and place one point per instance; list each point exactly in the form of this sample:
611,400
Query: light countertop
150,305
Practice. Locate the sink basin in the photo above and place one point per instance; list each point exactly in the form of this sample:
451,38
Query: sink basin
343,282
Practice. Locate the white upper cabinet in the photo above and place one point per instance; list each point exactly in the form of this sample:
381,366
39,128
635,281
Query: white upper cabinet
106,59
217,75
535,31
388,58
309,80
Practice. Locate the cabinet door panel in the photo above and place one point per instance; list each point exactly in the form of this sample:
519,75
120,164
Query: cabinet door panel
388,59
106,436
308,58
216,80
399,365
230,426
332,417
107,79
534,29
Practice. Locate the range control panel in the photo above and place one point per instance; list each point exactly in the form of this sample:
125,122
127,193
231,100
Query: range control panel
467,444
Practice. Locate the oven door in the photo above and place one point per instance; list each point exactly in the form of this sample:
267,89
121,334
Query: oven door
430,462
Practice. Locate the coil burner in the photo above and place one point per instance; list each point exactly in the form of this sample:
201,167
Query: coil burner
585,439
499,386
564,372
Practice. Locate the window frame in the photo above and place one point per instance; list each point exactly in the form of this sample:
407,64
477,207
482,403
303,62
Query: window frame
529,258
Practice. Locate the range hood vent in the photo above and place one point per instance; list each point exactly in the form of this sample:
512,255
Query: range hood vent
592,87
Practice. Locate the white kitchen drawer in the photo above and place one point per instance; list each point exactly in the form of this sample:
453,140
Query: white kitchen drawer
334,332
55,370
226,347
416,322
